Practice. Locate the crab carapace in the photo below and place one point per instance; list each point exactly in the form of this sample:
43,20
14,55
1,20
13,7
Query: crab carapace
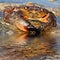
29,18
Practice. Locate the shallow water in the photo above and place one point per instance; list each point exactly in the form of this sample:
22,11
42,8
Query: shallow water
47,3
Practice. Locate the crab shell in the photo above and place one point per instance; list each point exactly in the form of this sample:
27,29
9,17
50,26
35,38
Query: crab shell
28,18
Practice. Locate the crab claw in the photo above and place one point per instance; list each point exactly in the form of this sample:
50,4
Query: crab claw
21,24
23,28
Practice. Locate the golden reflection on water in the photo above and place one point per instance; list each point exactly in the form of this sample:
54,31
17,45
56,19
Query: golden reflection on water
25,46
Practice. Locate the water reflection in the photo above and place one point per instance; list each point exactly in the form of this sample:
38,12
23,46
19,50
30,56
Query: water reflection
26,47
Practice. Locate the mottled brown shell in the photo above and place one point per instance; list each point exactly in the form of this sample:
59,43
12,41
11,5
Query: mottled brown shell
29,13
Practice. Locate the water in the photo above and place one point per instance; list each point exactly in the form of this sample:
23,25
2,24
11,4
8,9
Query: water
56,3
58,19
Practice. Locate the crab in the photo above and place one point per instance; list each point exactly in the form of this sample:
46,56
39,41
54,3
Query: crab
29,18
